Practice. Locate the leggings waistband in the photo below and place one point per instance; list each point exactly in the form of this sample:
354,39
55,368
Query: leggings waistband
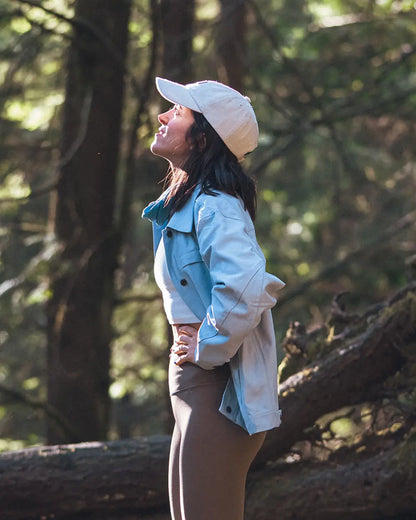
189,375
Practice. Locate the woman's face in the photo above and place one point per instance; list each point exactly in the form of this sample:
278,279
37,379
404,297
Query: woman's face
170,142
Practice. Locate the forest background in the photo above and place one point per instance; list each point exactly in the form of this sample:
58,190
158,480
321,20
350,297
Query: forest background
83,338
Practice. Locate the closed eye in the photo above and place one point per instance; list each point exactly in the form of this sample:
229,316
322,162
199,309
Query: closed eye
177,108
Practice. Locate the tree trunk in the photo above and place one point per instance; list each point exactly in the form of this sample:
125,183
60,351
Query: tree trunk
177,31
81,481
80,309
231,48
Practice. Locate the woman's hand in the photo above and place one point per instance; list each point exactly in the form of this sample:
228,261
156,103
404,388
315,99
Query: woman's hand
183,349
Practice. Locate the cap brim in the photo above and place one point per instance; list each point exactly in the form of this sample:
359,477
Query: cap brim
176,93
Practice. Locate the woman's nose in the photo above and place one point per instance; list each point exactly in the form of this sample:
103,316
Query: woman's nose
163,118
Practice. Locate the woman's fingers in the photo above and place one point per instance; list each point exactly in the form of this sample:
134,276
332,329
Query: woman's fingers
179,360
182,353
188,330
183,349
178,349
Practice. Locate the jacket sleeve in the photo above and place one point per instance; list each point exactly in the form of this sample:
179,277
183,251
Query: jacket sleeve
241,288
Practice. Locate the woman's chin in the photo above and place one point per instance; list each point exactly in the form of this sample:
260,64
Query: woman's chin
155,149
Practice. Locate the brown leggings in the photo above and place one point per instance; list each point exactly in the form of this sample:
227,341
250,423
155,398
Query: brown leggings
210,456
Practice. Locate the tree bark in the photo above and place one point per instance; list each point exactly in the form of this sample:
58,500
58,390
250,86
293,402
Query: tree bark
118,479
231,48
80,309
351,373
374,488
88,479
177,32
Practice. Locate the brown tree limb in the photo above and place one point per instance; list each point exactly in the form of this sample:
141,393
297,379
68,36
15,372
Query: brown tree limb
84,24
36,404
364,250
139,298
377,487
349,374
61,481
45,190
94,29
110,480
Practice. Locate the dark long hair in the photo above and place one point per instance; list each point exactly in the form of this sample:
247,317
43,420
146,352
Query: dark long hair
212,165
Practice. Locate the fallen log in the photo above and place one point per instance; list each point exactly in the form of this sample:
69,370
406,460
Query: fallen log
375,488
88,478
351,373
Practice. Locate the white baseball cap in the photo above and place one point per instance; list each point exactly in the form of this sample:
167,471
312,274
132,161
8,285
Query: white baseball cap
228,112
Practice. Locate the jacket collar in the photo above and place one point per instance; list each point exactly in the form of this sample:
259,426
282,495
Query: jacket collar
157,211
182,220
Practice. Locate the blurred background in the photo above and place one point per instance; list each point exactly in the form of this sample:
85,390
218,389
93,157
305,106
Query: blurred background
83,339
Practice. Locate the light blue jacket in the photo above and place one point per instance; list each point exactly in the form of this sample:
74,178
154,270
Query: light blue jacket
218,269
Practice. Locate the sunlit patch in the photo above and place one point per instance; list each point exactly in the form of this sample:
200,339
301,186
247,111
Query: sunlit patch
14,186
34,117
294,228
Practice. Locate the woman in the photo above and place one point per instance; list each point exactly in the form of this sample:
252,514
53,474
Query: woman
217,297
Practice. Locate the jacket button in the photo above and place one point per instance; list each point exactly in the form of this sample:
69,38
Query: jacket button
184,282
169,233
228,409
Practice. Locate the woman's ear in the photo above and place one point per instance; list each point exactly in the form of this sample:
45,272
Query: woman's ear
201,142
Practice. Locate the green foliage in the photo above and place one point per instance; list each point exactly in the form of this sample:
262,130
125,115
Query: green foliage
332,83
337,100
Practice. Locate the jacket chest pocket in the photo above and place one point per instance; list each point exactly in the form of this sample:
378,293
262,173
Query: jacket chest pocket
192,280
187,258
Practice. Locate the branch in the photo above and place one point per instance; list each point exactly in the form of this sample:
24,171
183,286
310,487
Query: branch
80,23
32,195
351,373
347,160
93,477
274,153
69,154
95,31
44,255
43,28
381,77
352,105
47,10
36,404
141,298
379,104
380,486
370,247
